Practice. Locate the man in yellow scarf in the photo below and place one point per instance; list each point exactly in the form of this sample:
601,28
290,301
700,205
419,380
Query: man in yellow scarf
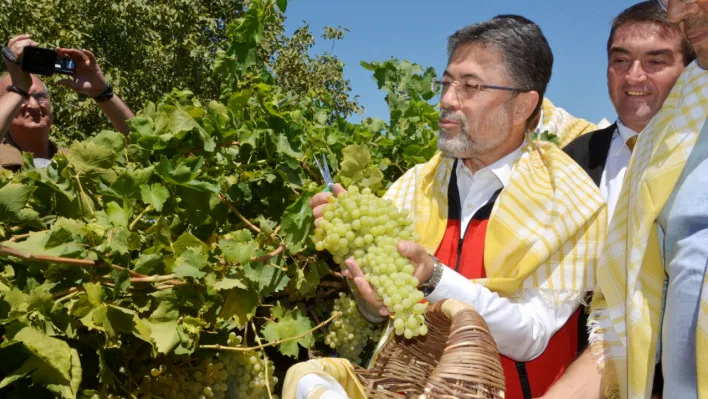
653,296
516,226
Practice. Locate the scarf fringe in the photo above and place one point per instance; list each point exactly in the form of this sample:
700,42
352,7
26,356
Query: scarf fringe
554,298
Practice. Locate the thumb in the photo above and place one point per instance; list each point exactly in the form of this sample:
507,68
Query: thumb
413,251
338,189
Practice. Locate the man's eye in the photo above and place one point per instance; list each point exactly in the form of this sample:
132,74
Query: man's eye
620,61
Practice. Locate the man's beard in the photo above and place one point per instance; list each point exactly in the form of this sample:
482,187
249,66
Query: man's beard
470,143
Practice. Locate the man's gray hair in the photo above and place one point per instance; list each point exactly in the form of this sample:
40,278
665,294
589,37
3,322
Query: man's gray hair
527,56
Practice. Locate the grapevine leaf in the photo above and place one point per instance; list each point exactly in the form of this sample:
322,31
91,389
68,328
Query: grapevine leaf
187,240
154,195
240,305
238,252
190,263
149,264
228,283
112,140
13,198
128,183
266,225
291,324
117,215
296,224
89,157
94,294
164,335
283,147
55,353
269,277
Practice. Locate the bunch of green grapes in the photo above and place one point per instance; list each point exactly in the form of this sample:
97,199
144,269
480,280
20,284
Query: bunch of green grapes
225,375
359,224
351,332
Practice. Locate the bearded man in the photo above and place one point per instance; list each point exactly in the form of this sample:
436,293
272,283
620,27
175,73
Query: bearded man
513,224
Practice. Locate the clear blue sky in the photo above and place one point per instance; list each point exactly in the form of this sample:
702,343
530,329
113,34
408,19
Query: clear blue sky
417,30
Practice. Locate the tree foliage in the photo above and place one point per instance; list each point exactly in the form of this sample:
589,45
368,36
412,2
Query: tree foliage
194,227
147,48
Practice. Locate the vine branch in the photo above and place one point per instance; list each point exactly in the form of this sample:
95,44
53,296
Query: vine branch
237,213
274,343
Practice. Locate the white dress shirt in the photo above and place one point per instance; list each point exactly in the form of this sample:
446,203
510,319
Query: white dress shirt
616,167
521,328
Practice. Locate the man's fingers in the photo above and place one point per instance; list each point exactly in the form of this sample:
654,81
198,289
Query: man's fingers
354,268
319,199
15,39
369,295
91,57
413,251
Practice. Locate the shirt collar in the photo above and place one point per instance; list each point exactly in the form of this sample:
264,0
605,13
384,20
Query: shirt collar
501,169
625,132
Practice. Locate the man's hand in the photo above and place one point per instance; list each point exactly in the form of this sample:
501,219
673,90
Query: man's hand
20,78
319,200
415,253
88,78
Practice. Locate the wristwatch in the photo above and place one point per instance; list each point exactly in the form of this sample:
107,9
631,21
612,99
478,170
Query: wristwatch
17,90
106,95
429,286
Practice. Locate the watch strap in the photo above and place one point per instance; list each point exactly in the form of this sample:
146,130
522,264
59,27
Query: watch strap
106,95
17,90
429,286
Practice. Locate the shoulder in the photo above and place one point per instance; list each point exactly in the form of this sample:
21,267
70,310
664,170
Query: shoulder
10,157
582,145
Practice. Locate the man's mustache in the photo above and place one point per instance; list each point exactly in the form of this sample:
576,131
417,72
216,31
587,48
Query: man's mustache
453,116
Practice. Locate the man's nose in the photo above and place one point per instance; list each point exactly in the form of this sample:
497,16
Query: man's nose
678,11
449,98
636,73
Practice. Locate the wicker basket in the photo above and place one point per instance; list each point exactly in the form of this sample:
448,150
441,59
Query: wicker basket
458,358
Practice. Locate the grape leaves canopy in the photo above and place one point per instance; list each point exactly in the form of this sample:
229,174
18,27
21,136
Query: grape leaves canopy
190,240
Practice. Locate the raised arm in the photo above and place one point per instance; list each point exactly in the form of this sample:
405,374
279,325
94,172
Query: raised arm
88,79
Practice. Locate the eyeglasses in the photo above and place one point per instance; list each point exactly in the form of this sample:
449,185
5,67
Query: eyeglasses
466,90
42,98
665,3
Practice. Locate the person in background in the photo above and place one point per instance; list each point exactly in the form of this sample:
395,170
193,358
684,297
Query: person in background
26,109
652,301
646,53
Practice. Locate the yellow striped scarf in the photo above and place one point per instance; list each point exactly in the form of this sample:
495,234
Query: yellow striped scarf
626,311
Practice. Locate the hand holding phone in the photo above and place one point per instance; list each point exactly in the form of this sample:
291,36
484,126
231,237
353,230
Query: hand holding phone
42,61
15,47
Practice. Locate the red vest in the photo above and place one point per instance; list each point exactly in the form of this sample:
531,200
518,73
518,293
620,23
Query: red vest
523,380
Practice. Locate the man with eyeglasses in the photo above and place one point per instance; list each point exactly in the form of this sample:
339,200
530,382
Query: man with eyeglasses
652,301
26,111
514,224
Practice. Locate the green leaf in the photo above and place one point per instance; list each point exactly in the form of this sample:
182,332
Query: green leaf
297,224
164,335
228,283
190,263
112,140
13,198
356,159
149,263
94,293
291,324
282,5
55,353
240,305
238,252
154,195
187,240
269,277
283,147
117,215
89,157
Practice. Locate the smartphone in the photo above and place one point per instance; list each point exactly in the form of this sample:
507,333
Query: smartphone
42,61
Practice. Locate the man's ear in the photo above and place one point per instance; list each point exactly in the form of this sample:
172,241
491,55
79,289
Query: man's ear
524,105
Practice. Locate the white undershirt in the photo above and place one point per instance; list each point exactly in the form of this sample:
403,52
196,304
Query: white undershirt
523,328
615,167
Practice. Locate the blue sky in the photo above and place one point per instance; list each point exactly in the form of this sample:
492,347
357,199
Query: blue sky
417,30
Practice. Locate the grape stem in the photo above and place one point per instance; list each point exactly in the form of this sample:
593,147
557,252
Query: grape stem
237,213
274,343
137,219
265,362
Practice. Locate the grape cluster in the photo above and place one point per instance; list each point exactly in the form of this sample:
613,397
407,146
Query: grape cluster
358,224
351,332
225,375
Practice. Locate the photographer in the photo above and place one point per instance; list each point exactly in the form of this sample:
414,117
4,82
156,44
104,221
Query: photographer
25,104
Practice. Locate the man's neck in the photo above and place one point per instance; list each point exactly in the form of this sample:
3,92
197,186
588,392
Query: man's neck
481,162
637,128
37,145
